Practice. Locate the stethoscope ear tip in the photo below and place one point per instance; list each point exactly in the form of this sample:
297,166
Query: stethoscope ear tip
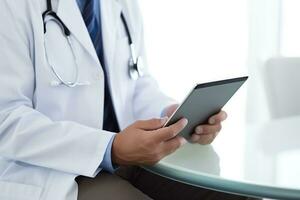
55,83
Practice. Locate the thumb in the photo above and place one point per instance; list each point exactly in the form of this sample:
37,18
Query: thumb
151,124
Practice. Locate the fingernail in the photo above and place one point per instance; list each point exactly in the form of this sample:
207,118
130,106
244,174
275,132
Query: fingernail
182,141
212,121
224,116
199,130
195,138
185,121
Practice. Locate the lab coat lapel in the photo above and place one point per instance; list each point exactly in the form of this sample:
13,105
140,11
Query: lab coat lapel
110,16
70,14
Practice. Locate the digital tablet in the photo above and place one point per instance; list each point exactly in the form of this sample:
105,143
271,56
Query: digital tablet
204,101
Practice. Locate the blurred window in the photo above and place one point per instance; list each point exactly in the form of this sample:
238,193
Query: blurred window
191,41
290,28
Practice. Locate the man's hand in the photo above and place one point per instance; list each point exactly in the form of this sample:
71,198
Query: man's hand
146,142
205,133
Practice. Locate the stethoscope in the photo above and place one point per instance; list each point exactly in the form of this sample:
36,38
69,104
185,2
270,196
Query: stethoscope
135,64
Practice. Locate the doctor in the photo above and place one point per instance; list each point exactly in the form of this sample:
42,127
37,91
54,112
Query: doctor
66,92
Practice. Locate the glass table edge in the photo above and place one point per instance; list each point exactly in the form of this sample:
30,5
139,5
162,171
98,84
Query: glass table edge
224,185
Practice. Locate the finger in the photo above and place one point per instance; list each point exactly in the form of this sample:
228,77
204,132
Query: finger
203,139
171,131
195,138
218,118
207,139
208,129
172,145
152,124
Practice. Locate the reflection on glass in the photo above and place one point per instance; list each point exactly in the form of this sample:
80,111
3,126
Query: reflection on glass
198,158
273,154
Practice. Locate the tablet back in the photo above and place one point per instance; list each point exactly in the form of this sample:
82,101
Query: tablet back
204,101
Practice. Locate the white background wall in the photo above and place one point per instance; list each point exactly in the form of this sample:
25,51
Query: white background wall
290,28
193,41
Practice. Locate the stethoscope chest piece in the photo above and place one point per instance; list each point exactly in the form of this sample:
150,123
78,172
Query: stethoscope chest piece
140,66
136,68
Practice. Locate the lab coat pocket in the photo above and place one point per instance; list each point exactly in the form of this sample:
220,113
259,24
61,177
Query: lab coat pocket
17,191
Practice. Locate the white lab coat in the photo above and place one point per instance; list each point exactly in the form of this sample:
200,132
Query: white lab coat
49,135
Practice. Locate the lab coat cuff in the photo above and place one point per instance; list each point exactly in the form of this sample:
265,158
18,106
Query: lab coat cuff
100,150
106,163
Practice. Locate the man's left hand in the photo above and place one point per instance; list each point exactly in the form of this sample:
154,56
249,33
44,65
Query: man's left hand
204,133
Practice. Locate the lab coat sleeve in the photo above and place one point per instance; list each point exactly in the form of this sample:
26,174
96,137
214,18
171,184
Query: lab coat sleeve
107,163
149,100
28,136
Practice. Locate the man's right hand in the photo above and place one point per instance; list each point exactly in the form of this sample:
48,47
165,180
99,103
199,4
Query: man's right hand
146,142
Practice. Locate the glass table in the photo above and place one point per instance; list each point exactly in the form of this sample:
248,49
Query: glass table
261,160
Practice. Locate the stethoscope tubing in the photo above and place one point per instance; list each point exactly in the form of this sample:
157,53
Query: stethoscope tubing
135,63
126,29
